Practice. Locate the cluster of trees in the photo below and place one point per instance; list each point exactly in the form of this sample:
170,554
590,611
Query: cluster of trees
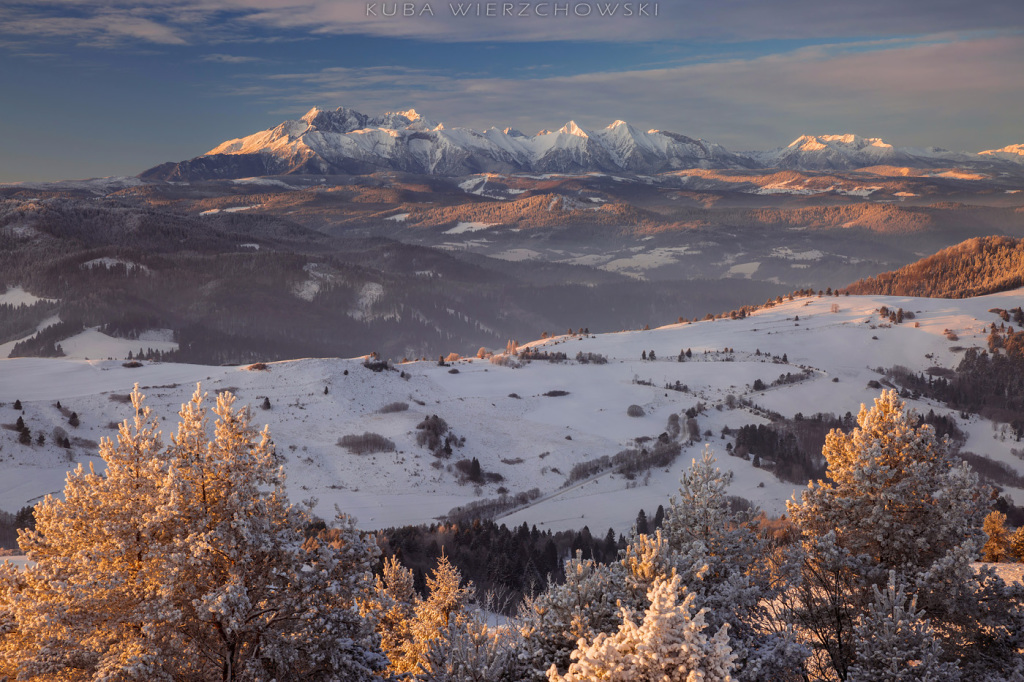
186,561
19,321
779,452
988,384
509,563
46,342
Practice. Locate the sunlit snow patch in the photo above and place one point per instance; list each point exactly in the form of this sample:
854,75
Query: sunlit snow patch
462,227
745,269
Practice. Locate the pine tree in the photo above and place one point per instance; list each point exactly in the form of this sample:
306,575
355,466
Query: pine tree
392,604
669,645
474,652
894,642
723,560
73,420
1016,545
898,502
896,495
443,609
17,404
998,542
585,604
187,562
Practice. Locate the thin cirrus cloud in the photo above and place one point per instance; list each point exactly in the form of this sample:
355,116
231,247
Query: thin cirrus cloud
229,59
107,27
726,20
197,21
961,94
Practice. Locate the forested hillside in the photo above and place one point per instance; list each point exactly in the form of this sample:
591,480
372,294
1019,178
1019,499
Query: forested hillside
978,266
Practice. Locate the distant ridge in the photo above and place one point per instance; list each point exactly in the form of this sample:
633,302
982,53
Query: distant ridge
979,266
344,141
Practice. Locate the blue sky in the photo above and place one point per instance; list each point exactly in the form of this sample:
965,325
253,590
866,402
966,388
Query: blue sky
111,87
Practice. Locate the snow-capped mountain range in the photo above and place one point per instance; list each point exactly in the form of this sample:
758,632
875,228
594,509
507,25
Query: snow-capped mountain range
345,141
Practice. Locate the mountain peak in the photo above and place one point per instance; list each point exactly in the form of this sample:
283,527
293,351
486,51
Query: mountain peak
571,128
811,143
310,115
1015,149
341,120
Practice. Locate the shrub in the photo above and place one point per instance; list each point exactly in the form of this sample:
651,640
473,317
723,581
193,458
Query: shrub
635,411
366,443
393,407
258,367
591,358
376,365
131,364
557,393
437,437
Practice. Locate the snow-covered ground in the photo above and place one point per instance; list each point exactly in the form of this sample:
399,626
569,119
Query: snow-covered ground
504,415
17,296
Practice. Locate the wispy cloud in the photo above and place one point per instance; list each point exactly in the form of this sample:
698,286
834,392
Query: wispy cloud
196,21
99,28
229,59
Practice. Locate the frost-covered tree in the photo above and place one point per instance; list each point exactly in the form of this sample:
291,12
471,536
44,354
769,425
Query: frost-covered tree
187,562
586,604
434,617
895,643
898,502
392,605
669,645
723,559
896,494
472,651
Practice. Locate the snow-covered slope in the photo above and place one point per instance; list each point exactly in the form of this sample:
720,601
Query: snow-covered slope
1013,153
533,440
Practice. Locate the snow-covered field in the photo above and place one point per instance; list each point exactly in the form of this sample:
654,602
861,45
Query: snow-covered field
17,296
504,415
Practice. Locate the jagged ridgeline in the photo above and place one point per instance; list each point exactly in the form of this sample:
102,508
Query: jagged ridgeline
979,266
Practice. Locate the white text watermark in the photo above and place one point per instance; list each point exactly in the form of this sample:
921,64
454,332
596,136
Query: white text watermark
513,9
